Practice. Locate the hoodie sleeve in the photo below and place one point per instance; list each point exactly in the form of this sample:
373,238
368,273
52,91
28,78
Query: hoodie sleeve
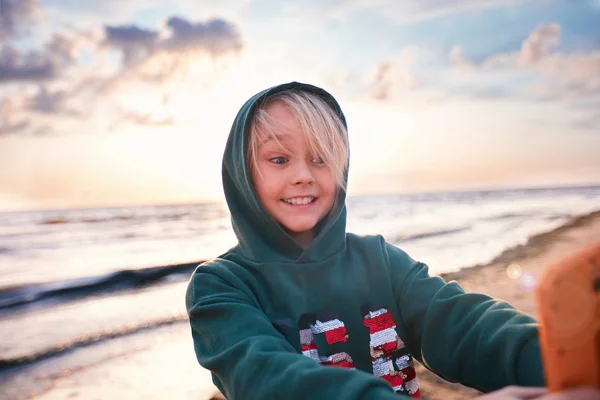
250,359
464,337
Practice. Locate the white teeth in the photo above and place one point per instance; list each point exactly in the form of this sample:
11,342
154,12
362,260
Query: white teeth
300,200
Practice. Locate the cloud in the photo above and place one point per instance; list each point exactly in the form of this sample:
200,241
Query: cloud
537,46
410,11
424,9
18,66
214,37
135,43
140,119
590,123
7,128
14,15
382,82
60,90
554,75
12,119
35,66
395,81
42,111
53,102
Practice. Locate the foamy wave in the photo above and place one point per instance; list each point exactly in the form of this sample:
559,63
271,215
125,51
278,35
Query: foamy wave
54,292
88,340
430,234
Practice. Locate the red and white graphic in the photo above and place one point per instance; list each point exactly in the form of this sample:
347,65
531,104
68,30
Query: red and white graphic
308,345
412,387
334,330
383,346
403,362
384,368
382,328
409,375
340,360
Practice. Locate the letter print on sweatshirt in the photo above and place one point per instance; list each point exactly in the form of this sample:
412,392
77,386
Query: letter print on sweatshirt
334,331
391,360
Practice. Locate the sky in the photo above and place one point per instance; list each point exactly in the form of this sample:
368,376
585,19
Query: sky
129,102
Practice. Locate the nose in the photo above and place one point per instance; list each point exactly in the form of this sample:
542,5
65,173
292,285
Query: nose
302,174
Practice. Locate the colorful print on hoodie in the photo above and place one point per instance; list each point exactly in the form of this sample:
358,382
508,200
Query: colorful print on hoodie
345,317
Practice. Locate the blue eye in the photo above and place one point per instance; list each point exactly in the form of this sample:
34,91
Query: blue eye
278,160
318,160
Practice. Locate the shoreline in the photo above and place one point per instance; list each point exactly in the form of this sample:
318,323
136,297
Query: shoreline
128,365
492,279
534,246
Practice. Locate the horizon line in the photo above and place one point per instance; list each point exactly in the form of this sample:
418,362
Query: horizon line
407,193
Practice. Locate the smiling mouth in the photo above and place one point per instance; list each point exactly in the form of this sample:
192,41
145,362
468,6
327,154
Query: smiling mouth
299,201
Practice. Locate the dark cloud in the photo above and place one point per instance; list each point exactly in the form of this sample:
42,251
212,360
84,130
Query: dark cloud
13,16
215,37
52,102
18,66
32,113
126,35
136,44
34,66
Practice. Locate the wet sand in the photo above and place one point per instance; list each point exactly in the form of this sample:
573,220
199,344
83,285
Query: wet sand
492,279
159,363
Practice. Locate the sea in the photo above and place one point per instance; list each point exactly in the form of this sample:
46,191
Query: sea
72,278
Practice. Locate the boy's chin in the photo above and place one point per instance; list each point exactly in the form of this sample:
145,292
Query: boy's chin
299,229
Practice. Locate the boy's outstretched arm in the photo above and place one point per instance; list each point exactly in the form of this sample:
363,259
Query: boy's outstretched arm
463,337
250,359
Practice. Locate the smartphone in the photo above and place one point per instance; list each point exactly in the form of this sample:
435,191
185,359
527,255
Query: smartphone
568,305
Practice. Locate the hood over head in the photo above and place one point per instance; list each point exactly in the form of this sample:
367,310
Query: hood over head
260,237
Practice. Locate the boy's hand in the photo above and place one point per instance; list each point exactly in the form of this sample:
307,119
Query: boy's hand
523,393
574,394
515,393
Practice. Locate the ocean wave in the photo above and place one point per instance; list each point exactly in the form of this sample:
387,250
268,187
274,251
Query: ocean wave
56,350
430,234
504,216
61,220
45,294
67,220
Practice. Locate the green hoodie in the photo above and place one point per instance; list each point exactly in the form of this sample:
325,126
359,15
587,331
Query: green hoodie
343,318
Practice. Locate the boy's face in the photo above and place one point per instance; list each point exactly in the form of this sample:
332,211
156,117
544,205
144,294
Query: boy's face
293,185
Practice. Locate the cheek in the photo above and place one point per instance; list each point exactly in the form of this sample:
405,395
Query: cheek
265,188
258,182
328,182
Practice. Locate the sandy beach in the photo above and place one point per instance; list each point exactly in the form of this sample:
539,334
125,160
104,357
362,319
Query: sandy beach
159,363
493,279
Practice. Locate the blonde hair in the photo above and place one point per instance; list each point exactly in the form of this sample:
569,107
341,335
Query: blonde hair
323,129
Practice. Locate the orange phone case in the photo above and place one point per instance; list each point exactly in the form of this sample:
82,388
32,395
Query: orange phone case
568,306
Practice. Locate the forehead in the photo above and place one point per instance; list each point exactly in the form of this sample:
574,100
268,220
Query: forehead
281,124
279,111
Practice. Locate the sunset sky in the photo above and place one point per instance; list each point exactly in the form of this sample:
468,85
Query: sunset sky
126,102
